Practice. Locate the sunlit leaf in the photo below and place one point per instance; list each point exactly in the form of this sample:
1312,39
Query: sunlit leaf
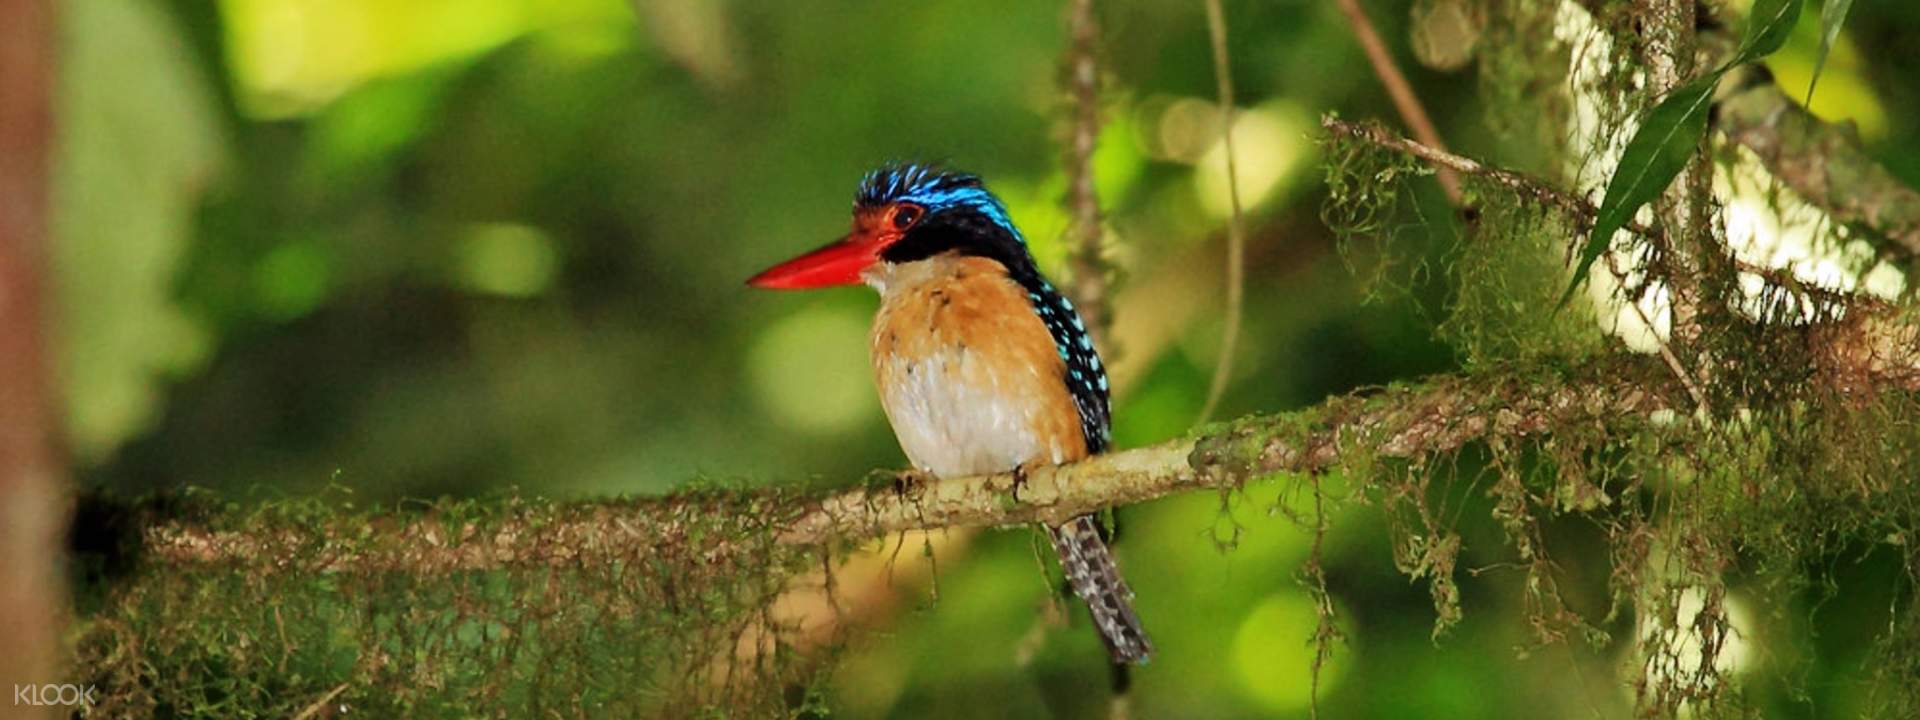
1666,140
1832,17
1767,28
139,139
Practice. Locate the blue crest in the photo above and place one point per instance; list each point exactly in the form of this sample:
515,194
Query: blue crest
934,188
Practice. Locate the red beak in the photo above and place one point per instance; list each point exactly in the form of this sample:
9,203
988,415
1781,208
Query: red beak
839,263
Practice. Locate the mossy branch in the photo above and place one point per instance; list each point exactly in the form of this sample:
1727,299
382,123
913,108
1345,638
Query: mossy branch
1412,112
1869,353
497,600
1527,187
1824,163
1539,191
1439,415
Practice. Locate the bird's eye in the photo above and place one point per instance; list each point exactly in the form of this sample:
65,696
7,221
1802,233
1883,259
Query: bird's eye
905,216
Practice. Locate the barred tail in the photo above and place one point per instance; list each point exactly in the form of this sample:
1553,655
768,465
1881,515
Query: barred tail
1091,571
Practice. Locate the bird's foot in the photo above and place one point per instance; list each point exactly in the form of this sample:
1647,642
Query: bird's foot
911,480
1020,473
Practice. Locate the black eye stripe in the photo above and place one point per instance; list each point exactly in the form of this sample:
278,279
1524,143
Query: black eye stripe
963,229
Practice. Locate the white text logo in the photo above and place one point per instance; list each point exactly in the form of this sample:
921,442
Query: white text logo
51,694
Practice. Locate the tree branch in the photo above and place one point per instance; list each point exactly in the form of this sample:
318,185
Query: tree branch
1824,163
1087,257
1690,263
1236,221
1539,191
1404,101
1440,415
1526,186
1869,352
1871,338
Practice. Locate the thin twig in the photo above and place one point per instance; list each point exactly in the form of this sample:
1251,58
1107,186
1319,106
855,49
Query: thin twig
1683,209
1236,231
1525,186
1404,101
315,709
1666,353
1083,201
1785,279
1538,190
1326,632
1522,184
33,480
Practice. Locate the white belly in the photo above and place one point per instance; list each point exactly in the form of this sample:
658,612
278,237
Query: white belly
951,427
968,374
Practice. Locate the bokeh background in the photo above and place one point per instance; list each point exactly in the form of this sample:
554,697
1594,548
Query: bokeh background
448,247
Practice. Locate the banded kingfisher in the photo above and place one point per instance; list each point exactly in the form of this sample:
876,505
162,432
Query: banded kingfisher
982,366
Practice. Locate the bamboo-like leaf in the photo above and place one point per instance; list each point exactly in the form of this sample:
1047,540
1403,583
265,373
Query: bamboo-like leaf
1666,140
1831,18
1767,28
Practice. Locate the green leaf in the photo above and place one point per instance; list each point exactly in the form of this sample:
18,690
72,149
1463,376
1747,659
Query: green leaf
1767,28
140,137
1831,18
1666,140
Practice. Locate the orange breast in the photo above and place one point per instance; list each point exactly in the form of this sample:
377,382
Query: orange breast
969,376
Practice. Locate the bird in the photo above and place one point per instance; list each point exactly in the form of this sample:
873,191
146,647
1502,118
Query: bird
982,366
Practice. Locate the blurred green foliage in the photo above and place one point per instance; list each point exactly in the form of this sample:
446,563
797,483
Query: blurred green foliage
459,246
443,248
139,143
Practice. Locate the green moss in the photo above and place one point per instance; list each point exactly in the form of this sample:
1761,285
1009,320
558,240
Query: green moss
617,608
1367,201
661,606
1508,275
1693,513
